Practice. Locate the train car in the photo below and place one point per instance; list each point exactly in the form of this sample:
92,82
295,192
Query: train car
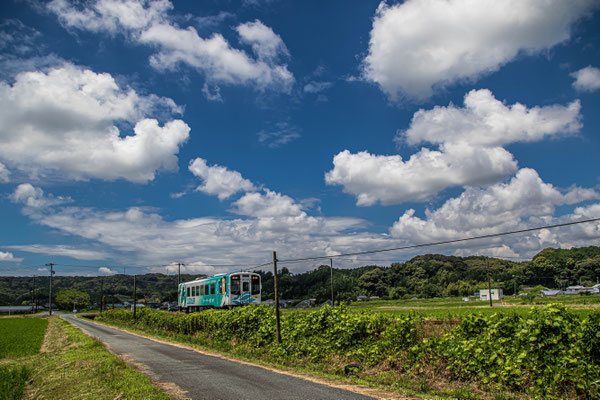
220,291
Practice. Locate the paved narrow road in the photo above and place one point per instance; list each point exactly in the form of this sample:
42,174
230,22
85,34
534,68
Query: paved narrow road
208,377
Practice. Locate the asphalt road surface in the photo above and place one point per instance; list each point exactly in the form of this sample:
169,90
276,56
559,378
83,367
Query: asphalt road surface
207,377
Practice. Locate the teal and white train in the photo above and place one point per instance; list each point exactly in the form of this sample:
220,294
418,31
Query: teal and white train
220,291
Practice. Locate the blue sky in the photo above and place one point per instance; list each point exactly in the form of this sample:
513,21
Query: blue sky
148,133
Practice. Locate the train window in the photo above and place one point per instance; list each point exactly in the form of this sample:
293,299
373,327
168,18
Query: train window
194,291
255,284
245,286
202,290
235,285
212,288
188,292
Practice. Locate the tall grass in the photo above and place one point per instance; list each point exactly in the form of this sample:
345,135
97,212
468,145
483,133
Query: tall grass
12,381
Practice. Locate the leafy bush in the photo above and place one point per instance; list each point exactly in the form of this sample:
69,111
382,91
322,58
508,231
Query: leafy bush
547,353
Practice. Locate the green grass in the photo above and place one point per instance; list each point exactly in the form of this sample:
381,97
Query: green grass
70,365
76,366
12,381
454,308
21,336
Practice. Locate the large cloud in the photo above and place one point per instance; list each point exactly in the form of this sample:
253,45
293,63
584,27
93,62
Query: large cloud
391,180
486,121
420,44
148,22
524,201
219,180
470,151
64,123
139,235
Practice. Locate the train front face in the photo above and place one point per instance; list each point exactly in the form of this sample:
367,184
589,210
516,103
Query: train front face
245,288
182,296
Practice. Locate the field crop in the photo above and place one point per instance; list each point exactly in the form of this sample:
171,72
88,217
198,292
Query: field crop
21,336
541,352
12,381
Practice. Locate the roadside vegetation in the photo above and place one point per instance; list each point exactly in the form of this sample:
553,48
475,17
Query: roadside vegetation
70,365
547,352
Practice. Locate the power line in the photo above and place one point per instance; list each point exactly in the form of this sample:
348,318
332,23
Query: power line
414,246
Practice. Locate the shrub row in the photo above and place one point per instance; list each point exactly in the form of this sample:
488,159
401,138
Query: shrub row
547,353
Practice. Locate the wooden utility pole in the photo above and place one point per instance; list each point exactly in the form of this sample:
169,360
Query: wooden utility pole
33,303
102,295
178,284
276,298
331,264
487,261
50,292
134,298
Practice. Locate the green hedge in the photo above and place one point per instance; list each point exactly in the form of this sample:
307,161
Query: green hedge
547,353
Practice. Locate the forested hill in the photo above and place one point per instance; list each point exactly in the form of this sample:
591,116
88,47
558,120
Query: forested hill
430,275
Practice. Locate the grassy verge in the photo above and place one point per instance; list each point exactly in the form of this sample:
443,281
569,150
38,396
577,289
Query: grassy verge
72,365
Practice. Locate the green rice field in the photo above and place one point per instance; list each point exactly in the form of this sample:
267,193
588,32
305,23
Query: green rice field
21,336
454,308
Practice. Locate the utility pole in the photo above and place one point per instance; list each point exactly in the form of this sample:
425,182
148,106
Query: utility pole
134,298
487,260
276,298
331,264
33,296
51,265
178,284
102,295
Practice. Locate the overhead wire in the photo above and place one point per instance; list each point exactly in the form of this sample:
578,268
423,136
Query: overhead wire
415,246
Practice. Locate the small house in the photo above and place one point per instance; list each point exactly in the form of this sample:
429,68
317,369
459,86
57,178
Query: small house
496,294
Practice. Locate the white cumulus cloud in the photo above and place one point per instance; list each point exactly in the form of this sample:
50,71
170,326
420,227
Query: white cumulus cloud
486,121
111,16
63,123
418,45
148,23
391,180
218,180
33,198
587,79
470,152
9,257
106,271
268,204
266,44
522,202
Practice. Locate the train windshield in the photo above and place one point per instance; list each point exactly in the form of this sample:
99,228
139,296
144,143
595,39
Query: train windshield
255,284
235,285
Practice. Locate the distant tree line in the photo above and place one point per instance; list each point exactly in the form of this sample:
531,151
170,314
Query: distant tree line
430,275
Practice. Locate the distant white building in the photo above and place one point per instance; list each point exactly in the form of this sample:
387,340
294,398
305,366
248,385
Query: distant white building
496,294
